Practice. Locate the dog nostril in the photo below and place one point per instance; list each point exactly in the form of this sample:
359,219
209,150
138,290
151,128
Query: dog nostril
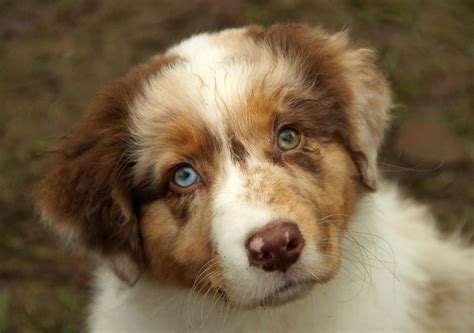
275,247
266,255
291,245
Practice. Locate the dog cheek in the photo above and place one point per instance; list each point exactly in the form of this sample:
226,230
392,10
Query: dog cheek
175,251
159,233
336,203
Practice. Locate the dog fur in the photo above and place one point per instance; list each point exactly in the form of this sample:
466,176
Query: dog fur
174,258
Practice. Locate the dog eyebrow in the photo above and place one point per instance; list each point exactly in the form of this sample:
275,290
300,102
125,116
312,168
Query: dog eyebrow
237,148
318,115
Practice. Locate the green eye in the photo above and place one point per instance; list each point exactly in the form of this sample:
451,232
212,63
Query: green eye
288,139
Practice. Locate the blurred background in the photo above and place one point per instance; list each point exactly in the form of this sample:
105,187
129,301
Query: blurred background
54,55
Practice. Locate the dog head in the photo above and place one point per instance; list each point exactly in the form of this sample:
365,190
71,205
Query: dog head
232,161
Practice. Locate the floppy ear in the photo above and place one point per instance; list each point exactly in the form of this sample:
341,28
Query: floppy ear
86,195
368,110
355,93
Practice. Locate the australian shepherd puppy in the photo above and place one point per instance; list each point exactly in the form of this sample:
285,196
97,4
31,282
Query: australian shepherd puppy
230,185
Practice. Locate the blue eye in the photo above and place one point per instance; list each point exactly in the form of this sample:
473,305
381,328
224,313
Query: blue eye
185,176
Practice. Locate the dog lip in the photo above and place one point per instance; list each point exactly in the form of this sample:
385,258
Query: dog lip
289,291
293,283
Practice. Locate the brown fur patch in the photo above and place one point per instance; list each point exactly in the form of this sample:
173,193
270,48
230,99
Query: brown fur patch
443,297
306,198
346,80
238,150
255,122
86,193
318,61
177,253
181,140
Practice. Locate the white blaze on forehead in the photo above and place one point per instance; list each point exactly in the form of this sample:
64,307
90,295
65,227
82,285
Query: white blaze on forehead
214,75
231,202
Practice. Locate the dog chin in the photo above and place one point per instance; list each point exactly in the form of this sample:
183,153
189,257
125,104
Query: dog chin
287,293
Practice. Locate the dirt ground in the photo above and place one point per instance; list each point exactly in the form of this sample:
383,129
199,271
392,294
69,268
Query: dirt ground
54,55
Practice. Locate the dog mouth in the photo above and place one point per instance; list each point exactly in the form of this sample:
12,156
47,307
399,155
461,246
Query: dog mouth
288,292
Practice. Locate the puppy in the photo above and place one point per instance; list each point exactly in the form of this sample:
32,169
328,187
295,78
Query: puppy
230,184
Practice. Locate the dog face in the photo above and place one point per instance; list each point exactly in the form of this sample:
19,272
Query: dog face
230,164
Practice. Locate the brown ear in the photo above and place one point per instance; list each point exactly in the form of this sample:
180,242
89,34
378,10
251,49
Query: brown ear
86,195
369,109
356,95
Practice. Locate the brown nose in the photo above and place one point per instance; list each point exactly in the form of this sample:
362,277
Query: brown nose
276,247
